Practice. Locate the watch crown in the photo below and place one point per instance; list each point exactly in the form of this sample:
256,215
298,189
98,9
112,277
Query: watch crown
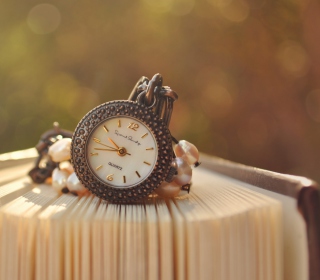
172,172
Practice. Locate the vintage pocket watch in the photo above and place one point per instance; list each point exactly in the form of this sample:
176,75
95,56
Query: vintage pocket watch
122,150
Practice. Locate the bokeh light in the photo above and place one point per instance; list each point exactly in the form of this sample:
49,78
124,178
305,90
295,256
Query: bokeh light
236,10
43,18
246,71
293,58
181,7
216,101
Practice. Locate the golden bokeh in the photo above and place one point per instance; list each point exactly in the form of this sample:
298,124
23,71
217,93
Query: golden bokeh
43,18
246,71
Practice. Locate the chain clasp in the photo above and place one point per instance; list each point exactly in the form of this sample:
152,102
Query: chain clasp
152,94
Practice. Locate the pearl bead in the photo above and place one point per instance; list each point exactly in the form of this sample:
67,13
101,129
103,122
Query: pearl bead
168,190
184,171
66,166
59,179
60,150
74,185
187,151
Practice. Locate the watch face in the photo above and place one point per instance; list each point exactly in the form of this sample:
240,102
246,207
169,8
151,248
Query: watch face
121,151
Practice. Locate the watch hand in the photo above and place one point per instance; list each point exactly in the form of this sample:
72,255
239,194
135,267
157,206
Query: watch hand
121,150
113,143
114,150
106,146
111,150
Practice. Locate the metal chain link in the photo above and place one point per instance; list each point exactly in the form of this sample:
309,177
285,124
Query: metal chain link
152,94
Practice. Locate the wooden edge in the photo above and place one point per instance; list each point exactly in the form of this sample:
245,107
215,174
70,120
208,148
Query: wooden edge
309,207
288,185
306,192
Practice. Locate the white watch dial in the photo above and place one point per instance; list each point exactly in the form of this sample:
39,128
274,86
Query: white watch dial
122,151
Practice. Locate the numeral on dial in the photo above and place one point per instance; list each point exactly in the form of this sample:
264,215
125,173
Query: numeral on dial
119,123
138,174
93,154
133,126
105,128
110,177
144,135
96,140
99,167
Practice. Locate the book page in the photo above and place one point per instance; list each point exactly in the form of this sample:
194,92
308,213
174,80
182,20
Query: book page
295,255
221,230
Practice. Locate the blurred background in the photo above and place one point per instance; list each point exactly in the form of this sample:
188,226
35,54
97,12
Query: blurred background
247,71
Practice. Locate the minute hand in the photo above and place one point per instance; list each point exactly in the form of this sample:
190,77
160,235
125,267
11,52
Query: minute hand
106,146
111,150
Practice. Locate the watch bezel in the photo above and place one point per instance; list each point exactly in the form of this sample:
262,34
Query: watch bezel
121,108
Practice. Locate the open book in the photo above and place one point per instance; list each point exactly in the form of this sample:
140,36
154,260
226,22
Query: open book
237,223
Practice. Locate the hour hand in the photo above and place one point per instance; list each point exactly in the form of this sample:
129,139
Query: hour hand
113,143
121,150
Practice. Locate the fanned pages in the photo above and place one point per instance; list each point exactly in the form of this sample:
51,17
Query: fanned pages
224,229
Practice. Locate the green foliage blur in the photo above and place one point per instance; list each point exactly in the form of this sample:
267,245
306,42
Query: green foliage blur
246,71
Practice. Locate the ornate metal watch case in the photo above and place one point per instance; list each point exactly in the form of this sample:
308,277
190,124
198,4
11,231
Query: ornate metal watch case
79,154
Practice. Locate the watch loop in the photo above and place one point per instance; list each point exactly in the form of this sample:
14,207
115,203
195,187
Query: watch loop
152,94
153,89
